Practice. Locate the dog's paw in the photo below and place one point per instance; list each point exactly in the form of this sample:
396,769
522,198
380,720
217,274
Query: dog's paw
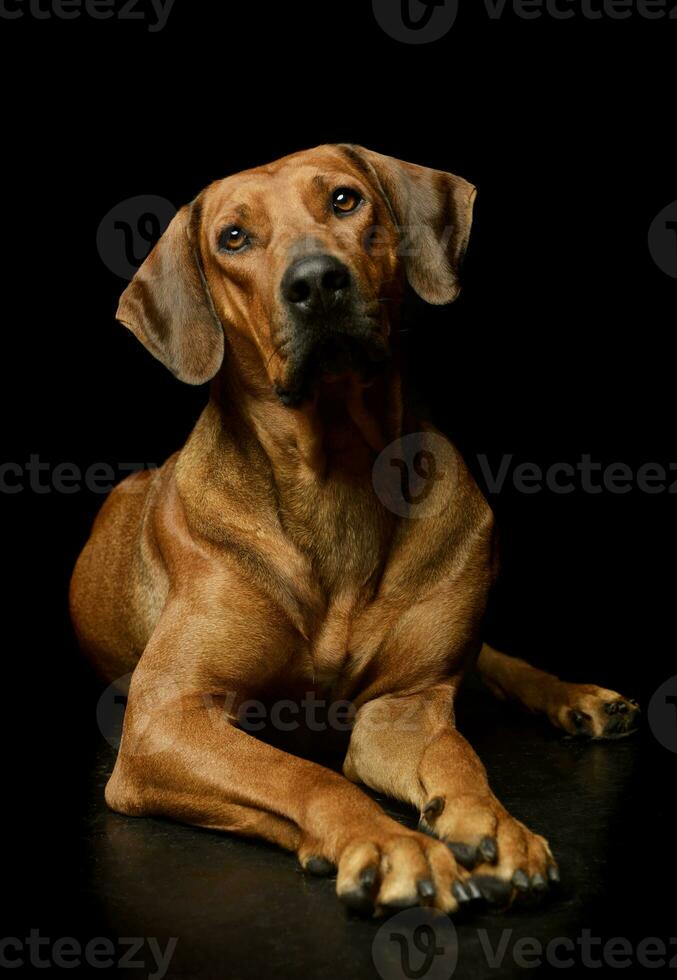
505,858
594,712
381,872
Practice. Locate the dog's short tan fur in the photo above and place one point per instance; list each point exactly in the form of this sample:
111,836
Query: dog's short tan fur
259,563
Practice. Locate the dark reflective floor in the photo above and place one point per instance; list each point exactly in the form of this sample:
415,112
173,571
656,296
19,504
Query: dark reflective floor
243,910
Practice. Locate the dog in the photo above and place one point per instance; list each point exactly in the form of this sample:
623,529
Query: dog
262,562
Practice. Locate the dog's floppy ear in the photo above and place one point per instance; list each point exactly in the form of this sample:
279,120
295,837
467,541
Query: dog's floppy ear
434,213
168,307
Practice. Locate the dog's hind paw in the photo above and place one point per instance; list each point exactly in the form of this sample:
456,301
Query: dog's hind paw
594,712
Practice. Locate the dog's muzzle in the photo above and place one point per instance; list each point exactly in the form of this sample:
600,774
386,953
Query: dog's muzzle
329,331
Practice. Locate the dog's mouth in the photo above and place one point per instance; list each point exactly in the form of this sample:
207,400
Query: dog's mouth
329,355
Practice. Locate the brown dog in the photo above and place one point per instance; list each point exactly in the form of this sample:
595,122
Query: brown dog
259,563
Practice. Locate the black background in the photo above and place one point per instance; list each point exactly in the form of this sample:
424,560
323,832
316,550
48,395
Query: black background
560,345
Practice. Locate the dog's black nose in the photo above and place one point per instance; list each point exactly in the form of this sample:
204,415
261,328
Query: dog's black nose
316,283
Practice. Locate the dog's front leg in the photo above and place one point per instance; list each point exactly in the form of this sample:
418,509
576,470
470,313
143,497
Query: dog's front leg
181,757
409,748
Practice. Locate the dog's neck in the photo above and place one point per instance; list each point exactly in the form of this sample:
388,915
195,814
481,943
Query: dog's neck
309,468
344,423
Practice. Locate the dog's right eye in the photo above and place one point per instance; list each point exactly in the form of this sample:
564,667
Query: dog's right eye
233,239
345,200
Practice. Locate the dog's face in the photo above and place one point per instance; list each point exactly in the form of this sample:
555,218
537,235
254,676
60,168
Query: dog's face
301,264
292,262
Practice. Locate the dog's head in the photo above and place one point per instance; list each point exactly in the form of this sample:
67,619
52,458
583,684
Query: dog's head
301,263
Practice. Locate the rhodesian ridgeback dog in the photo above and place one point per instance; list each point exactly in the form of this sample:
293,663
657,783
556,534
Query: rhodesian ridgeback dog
261,562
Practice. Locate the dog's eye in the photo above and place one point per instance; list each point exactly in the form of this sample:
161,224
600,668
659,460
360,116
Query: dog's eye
233,239
344,200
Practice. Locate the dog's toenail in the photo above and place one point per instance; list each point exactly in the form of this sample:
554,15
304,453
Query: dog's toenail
494,890
320,866
521,880
433,809
488,849
464,854
426,888
553,873
459,892
473,889
538,883
368,877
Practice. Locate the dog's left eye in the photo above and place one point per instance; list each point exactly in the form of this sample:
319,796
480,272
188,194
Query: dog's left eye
345,199
233,239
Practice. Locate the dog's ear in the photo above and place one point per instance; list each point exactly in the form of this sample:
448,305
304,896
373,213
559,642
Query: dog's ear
433,211
168,307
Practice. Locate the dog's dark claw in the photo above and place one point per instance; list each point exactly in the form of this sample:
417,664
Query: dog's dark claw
494,890
538,883
473,889
426,888
521,881
433,808
460,893
429,815
360,899
368,877
320,866
581,722
615,726
488,850
464,854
